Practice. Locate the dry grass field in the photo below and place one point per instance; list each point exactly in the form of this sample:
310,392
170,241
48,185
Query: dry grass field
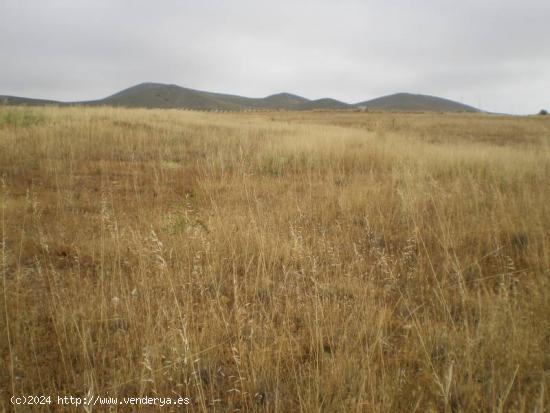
281,262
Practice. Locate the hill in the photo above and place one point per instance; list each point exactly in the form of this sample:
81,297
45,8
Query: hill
159,95
15,100
282,101
324,104
156,95
408,102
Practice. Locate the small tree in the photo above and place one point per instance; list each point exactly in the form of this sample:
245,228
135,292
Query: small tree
543,112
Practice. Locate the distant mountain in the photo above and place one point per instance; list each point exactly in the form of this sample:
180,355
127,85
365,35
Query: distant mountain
282,100
15,100
155,95
324,104
407,102
158,95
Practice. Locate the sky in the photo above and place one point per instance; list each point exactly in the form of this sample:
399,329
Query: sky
493,54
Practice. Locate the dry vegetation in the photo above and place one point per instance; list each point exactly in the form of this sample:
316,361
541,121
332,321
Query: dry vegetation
276,261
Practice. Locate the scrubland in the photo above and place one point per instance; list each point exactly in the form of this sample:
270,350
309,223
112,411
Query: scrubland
282,262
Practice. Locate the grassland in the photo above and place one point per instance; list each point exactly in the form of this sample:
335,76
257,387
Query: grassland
353,262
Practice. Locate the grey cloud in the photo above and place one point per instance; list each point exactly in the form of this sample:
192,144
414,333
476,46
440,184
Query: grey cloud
493,52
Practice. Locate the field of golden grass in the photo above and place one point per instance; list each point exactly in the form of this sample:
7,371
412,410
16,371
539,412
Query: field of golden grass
282,262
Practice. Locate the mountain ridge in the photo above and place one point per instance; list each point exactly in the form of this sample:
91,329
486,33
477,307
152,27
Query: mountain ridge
413,101
170,96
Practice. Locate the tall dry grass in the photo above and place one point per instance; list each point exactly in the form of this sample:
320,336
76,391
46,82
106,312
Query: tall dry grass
276,261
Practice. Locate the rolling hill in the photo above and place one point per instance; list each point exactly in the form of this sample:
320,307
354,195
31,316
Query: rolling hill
324,104
408,102
155,95
159,95
15,100
283,101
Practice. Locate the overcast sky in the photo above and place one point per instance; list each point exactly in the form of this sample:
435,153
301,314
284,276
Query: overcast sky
494,54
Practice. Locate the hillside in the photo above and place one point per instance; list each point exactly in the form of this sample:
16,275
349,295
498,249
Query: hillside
408,102
324,104
15,100
155,95
282,101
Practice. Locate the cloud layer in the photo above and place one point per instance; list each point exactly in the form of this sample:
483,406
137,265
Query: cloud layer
492,54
